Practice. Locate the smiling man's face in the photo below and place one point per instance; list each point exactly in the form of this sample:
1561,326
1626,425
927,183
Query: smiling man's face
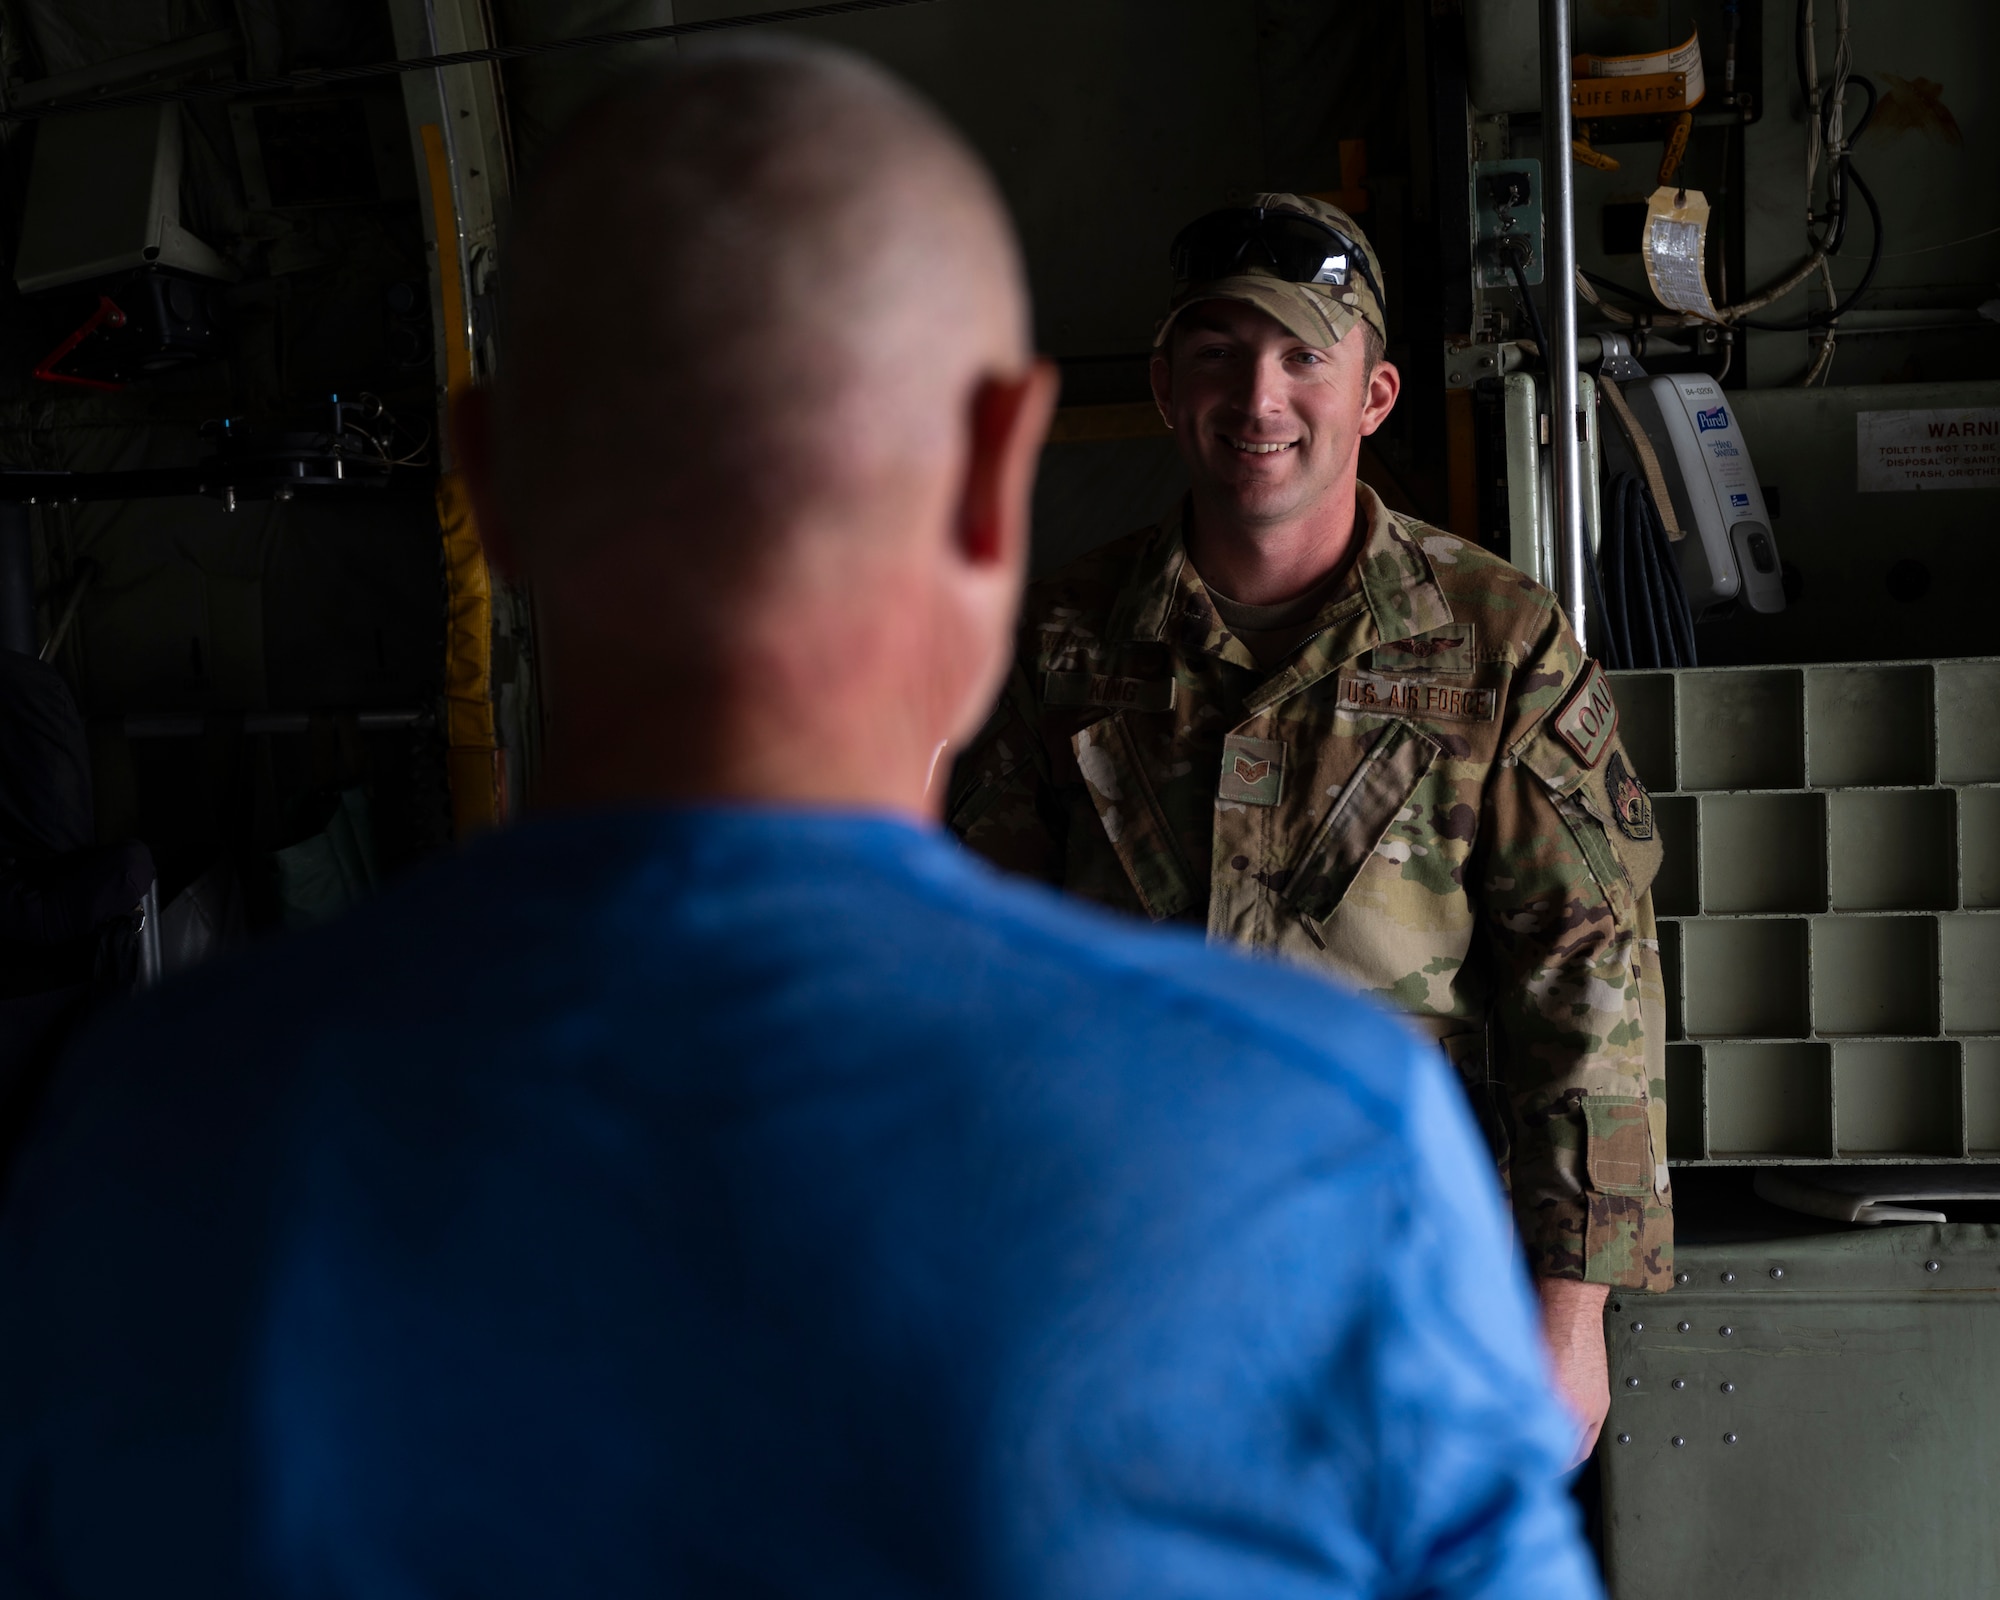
1269,424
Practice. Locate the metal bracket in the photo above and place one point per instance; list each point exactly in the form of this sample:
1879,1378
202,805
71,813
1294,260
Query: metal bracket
1619,364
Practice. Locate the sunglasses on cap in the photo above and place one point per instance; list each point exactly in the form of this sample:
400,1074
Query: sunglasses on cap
1288,244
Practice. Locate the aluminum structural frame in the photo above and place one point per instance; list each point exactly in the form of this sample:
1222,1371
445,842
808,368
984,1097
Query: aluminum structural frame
1566,421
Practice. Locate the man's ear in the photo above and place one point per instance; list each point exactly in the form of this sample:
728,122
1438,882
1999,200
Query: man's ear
1384,384
1009,422
1161,375
471,425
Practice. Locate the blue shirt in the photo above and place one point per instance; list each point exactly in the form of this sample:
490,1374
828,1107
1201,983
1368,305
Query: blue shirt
763,1203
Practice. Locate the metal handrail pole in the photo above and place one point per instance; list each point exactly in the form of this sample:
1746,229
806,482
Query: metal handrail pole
1559,314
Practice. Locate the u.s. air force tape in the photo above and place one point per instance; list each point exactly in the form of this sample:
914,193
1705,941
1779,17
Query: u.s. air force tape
1368,694
1099,689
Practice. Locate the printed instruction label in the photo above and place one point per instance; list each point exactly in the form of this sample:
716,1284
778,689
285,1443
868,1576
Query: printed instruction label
1957,449
1675,243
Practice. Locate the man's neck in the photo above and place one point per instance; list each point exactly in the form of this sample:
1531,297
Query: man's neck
767,736
1265,564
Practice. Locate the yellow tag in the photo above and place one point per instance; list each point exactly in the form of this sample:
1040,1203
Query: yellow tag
1580,148
1677,144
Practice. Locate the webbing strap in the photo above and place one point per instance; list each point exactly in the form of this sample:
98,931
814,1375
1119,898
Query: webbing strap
1656,480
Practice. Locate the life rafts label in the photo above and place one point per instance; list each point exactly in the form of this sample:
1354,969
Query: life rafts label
1684,58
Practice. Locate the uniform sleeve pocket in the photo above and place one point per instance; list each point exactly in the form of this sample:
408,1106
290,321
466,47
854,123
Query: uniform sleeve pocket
1618,1150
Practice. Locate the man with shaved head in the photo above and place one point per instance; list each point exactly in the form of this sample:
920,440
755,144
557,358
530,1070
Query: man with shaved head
721,1184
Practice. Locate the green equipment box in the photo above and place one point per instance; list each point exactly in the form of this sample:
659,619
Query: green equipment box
1815,1416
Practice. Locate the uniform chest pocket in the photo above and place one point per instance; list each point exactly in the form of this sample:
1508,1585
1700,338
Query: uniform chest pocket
1381,786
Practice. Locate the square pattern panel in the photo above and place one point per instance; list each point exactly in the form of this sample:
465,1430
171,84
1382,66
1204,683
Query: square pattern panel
1829,907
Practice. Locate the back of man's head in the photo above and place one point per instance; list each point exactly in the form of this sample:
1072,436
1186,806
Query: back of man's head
751,304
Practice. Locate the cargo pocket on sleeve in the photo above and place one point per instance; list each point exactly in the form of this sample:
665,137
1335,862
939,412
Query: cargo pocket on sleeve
1618,1148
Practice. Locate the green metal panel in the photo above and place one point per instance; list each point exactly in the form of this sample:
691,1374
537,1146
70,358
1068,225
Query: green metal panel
1830,915
1813,1417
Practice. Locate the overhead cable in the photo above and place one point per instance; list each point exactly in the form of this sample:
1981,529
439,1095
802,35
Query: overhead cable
324,77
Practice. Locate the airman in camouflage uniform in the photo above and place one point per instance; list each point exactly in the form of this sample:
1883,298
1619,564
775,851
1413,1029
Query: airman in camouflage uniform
1427,797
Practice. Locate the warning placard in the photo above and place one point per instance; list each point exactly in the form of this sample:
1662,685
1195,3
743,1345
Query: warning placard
1927,449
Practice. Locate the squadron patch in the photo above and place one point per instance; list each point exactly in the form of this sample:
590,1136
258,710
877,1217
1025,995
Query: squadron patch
1253,770
1631,806
1588,720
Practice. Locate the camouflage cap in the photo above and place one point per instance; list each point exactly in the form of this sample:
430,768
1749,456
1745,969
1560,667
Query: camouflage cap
1319,313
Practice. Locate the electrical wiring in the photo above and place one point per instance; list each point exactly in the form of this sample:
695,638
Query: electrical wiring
1647,621
1637,296
1827,142
1520,275
321,77
1945,244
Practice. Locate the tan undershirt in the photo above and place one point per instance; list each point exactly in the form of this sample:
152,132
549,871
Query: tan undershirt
1271,633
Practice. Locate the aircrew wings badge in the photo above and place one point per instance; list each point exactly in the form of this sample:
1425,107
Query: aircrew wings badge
1588,720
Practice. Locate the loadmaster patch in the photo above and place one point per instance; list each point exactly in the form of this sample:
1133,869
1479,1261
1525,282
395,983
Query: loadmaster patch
1631,806
1588,720
1253,770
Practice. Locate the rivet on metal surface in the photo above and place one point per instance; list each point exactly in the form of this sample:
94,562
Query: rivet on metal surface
1729,1438
1624,1438
1931,1266
1777,1272
1683,1326
1682,1277
1631,1383
1678,1441
1638,1327
1729,1277
1729,1388
1680,1383
1725,1330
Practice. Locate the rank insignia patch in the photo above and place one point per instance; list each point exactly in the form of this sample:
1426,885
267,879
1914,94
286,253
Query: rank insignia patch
1630,804
1253,770
1588,720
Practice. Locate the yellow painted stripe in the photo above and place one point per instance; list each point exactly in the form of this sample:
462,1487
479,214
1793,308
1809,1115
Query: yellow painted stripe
444,222
472,757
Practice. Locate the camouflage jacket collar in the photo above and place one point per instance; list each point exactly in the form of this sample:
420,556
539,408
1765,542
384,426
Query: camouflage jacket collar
1390,594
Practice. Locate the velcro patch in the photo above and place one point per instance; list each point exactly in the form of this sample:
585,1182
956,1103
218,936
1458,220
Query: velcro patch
1618,1156
1253,770
1365,694
1588,720
1441,650
1100,689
